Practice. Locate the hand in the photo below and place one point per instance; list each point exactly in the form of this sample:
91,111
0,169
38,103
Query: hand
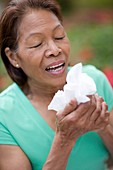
76,120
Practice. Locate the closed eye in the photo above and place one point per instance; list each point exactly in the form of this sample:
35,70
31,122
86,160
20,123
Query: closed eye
35,46
59,38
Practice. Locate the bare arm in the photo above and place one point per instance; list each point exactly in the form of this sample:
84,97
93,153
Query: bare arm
71,123
58,156
61,148
13,158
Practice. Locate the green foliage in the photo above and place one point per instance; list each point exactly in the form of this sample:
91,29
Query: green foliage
98,39
67,6
4,78
95,3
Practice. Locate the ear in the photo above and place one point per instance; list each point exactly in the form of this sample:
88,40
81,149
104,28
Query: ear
11,56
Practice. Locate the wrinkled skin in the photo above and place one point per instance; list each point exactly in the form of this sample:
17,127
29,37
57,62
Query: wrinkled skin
72,121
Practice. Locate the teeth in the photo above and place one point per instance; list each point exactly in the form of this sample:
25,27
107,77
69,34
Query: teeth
57,69
52,67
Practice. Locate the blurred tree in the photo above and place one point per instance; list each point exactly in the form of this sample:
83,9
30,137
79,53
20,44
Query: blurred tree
95,3
67,6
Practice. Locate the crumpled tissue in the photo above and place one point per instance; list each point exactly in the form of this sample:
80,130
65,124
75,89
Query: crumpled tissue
79,85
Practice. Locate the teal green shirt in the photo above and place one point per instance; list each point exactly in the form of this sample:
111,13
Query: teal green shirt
22,125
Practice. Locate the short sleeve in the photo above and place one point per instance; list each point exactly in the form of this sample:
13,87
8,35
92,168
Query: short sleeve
5,136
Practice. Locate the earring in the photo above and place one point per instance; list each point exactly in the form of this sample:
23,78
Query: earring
17,65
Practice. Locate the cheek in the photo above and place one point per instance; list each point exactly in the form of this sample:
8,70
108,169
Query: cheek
29,57
67,44
29,60
66,48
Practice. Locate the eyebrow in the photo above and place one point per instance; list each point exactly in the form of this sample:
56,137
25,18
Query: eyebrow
59,25
34,33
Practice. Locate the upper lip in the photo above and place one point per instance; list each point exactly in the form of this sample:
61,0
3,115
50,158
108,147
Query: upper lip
55,64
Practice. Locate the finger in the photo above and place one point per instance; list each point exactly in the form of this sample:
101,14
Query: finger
72,105
92,107
104,116
73,111
98,109
104,112
80,109
79,112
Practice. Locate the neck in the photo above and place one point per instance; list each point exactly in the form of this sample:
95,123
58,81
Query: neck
38,93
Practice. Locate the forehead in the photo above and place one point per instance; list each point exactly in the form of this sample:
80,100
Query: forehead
38,21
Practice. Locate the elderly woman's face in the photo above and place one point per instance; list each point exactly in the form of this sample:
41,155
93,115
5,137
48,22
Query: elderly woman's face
43,48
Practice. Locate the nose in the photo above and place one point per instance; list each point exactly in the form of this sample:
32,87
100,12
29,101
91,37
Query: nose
52,49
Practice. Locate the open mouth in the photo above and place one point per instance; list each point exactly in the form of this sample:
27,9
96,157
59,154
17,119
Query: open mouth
55,68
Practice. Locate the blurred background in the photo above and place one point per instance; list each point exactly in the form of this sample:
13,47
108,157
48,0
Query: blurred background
89,25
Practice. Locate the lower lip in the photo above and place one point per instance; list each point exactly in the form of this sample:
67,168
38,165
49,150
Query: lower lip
57,72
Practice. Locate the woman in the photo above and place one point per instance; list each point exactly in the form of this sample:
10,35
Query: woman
35,50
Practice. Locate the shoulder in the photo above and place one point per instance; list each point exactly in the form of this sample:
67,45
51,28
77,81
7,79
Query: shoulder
7,109
7,97
93,72
97,75
104,88
9,102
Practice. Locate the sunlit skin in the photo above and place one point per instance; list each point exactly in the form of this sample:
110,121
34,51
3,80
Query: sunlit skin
43,43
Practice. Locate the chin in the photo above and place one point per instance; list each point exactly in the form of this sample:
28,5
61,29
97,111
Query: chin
59,83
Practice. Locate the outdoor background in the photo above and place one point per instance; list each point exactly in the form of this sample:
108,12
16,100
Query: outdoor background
89,25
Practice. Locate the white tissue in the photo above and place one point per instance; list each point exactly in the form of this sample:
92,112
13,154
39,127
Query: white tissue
78,86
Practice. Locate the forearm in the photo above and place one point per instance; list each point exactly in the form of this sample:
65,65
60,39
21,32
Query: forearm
59,153
107,137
